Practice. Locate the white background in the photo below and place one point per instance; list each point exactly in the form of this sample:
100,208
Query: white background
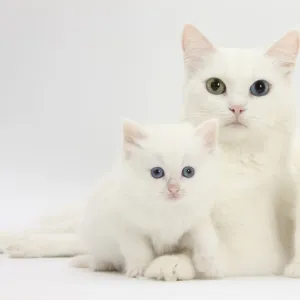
69,70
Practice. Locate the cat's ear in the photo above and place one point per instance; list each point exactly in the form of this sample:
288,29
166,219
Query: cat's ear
195,47
208,132
285,51
133,133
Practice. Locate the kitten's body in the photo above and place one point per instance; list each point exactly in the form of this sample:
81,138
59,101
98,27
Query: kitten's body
134,217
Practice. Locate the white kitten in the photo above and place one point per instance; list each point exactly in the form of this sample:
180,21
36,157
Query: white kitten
157,200
250,92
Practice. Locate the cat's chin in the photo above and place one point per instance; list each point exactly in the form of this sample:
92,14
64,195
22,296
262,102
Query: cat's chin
234,132
236,125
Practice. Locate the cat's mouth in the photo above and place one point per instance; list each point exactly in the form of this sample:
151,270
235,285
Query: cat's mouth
235,123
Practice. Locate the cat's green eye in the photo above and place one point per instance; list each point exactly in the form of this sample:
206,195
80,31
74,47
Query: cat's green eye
215,86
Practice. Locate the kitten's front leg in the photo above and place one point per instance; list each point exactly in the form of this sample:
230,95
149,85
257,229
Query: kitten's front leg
137,253
205,247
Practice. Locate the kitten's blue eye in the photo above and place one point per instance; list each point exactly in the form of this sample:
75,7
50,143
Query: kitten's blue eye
157,172
188,172
260,88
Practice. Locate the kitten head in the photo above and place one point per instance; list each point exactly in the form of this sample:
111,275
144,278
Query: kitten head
165,164
249,91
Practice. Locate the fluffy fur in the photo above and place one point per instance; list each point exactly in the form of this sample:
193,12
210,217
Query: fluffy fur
257,191
257,184
133,218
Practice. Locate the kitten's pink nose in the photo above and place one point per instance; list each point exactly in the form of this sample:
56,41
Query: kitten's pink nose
236,109
173,188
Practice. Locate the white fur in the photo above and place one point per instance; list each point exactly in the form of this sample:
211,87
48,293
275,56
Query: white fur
257,185
293,269
54,236
131,219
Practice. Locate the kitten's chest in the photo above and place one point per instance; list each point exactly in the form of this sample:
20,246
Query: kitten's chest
166,241
166,234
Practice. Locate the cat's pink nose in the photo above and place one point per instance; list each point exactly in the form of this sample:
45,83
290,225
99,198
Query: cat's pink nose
173,188
236,109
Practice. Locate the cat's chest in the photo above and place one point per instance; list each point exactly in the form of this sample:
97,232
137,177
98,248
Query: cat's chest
246,196
244,173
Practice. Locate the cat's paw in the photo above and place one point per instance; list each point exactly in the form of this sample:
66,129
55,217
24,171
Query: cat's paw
207,267
292,269
22,247
171,268
80,261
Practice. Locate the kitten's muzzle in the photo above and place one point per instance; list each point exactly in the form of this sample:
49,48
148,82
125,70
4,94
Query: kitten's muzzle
173,190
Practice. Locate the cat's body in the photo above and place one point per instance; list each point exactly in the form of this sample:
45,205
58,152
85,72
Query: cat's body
257,188
247,215
158,199
256,134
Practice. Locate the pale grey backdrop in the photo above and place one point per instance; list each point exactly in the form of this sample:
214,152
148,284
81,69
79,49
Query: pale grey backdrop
69,70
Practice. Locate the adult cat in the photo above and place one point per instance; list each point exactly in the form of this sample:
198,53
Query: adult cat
250,92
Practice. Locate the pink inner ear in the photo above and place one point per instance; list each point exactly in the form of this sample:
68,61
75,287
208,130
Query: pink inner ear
193,38
210,139
285,51
210,136
208,132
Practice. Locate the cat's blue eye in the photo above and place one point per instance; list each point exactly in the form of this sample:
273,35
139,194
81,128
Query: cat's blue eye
157,172
260,88
188,172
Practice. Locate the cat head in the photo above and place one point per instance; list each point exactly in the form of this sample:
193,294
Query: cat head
249,91
169,163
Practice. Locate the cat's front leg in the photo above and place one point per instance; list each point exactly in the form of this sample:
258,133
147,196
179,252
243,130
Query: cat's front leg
293,269
137,253
205,246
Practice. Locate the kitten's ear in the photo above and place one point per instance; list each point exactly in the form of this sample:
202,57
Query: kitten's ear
195,46
285,50
133,133
208,131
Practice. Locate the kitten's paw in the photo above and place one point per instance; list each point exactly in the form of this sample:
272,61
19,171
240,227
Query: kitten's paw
22,247
99,265
135,272
207,266
292,270
171,268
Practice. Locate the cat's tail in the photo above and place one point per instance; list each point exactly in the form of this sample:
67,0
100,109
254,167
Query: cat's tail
54,236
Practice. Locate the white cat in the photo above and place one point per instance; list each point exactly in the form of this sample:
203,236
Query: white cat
157,200
293,269
257,183
250,92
